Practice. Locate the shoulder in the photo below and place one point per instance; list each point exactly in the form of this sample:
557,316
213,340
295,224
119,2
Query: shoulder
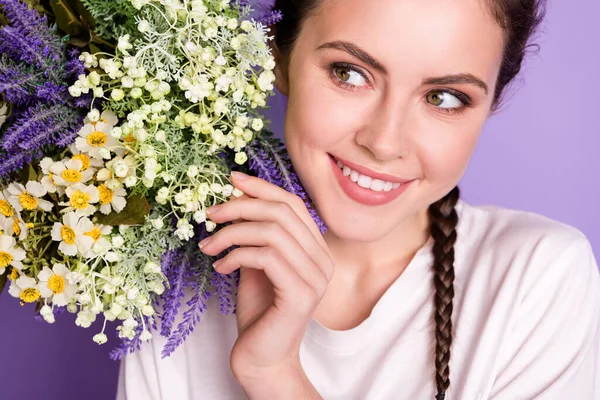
524,248
510,227
496,229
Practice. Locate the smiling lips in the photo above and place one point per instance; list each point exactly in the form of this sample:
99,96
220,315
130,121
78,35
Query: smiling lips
366,186
368,173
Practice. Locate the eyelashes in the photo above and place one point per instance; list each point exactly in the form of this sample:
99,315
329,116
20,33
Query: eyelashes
435,94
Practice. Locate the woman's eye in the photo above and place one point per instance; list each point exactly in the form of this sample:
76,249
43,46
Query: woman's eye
443,99
348,76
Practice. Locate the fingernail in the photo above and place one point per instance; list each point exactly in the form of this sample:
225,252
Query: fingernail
212,209
205,242
239,175
216,264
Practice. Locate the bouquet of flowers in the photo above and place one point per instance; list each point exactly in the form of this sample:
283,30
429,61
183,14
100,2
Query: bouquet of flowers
120,121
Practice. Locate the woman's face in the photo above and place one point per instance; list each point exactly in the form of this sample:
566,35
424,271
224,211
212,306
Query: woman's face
416,115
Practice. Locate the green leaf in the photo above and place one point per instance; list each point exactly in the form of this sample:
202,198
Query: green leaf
27,174
134,213
67,19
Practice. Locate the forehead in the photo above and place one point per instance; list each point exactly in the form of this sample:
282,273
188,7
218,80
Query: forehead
422,37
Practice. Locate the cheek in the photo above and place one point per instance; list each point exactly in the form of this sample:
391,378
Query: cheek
318,115
444,156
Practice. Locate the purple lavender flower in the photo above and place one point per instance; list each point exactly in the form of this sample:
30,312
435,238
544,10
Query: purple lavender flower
28,37
35,72
191,317
176,268
128,346
221,283
42,125
270,17
12,161
270,161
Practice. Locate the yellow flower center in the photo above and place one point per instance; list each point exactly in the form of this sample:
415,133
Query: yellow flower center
29,225
56,283
29,295
129,139
80,199
28,201
5,259
71,175
85,161
16,228
95,233
51,177
6,209
14,274
106,195
96,139
67,234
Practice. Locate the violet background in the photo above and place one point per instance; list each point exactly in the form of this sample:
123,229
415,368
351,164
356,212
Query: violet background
539,153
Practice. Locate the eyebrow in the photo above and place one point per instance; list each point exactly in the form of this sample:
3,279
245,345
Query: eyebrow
365,57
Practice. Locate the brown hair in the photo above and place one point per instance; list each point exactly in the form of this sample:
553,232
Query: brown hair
519,19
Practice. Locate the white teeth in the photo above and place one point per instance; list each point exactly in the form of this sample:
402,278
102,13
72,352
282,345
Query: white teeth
364,181
377,185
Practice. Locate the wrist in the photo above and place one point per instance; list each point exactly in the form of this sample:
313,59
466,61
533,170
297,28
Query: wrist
281,383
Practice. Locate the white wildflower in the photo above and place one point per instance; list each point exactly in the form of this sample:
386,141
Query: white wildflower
10,253
71,234
25,288
185,231
111,199
81,199
54,285
28,197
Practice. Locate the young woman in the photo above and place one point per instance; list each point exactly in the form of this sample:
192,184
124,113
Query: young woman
412,293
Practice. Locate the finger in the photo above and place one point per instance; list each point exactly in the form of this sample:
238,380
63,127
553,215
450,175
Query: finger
282,213
287,283
260,188
232,200
266,234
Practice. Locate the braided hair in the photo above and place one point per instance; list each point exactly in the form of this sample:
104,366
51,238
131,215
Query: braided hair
519,19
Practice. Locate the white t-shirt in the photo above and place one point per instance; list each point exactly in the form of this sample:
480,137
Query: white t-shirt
526,325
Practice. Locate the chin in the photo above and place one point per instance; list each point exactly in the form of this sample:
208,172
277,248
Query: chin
355,227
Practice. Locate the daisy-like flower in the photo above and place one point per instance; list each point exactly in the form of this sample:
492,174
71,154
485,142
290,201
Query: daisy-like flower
71,234
86,161
5,208
81,198
15,273
10,254
70,172
54,285
96,136
48,178
6,225
101,243
111,199
14,226
25,288
28,197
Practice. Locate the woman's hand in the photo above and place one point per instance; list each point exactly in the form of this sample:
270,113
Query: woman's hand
285,268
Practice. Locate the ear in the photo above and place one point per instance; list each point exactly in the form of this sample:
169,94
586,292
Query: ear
280,70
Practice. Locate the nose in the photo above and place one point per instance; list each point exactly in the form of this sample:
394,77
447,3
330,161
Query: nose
386,134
